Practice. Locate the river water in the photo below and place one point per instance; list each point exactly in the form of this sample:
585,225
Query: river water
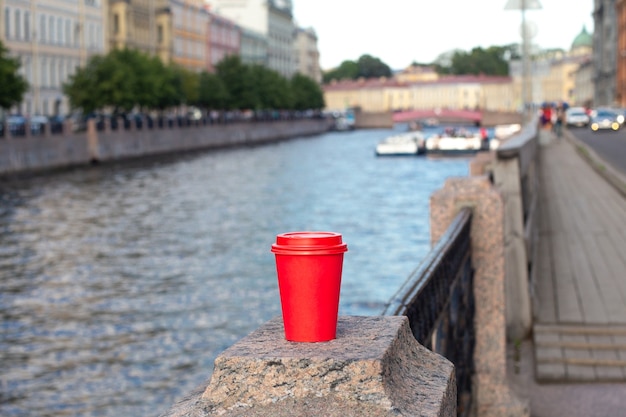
120,284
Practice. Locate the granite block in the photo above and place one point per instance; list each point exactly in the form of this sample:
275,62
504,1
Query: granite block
375,367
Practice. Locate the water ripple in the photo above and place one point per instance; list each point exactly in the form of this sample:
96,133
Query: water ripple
120,284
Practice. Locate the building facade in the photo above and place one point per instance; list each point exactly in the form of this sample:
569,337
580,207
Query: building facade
190,25
584,87
224,39
553,72
271,18
620,94
253,49
133,24
307,55
51,38
452,92
416,73
605,52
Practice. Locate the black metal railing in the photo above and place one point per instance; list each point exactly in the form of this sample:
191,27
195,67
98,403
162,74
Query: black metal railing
438,300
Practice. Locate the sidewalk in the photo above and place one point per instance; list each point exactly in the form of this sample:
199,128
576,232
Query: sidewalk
575,365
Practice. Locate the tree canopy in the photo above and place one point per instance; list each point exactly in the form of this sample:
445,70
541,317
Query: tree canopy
366,66
126,79
490,61
12,85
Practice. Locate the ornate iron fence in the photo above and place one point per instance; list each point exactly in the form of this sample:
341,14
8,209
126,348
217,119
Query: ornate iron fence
438,299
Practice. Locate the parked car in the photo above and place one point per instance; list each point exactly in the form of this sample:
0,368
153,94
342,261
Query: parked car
38,124
577,116
605,119
17,125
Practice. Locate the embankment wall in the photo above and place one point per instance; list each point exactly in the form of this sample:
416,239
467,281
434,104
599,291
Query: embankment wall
46,152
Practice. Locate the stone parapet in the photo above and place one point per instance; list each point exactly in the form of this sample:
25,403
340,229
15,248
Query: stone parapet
375,368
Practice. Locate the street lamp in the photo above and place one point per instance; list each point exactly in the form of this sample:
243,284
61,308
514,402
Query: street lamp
524,5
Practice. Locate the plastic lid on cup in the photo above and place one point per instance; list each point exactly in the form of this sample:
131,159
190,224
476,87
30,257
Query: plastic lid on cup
309,243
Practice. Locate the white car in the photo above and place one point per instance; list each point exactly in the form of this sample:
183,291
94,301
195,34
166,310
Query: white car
577,116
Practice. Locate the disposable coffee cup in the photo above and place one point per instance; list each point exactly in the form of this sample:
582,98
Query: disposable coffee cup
309,266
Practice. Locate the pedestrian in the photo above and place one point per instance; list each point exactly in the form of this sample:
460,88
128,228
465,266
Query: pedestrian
546,116
560,119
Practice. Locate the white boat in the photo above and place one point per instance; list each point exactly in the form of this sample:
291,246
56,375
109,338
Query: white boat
411,143
458,142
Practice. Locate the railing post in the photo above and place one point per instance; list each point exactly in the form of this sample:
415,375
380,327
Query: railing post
492,396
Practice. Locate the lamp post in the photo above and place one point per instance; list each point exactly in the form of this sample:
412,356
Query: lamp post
524,5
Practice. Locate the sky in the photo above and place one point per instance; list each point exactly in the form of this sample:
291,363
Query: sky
399,32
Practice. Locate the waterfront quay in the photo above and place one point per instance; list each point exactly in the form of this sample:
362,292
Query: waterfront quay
85,311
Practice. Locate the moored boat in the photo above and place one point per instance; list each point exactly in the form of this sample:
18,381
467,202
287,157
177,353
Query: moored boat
411,143
458,141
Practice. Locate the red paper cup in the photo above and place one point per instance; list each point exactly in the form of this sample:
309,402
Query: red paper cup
309,267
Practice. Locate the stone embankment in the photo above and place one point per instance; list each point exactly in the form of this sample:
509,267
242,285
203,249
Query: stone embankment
28,153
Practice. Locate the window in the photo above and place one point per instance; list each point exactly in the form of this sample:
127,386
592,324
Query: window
60,39
91,39
61,72
7,23
44,73
116,24
68,32
26,26
53,73
18,25
160,34
28,70
76,33
51,29
99,37
42,28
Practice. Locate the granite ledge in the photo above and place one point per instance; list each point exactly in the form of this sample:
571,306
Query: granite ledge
374,368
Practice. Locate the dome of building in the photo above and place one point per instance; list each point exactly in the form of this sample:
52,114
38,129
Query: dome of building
583,40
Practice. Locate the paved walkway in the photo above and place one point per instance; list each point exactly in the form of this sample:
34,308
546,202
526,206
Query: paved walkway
580,293
575,365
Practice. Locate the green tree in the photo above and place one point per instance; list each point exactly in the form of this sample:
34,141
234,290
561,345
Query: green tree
12,85
366,66
348,70
490,61
371,67
143,73
273,91
238,81
190,82
169,90
82,87
307,94
212,93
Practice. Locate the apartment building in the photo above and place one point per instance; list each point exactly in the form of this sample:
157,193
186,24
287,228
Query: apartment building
605,52
253,47
224,39
271,18
190,33
51,38
620,96
307,55
454,92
